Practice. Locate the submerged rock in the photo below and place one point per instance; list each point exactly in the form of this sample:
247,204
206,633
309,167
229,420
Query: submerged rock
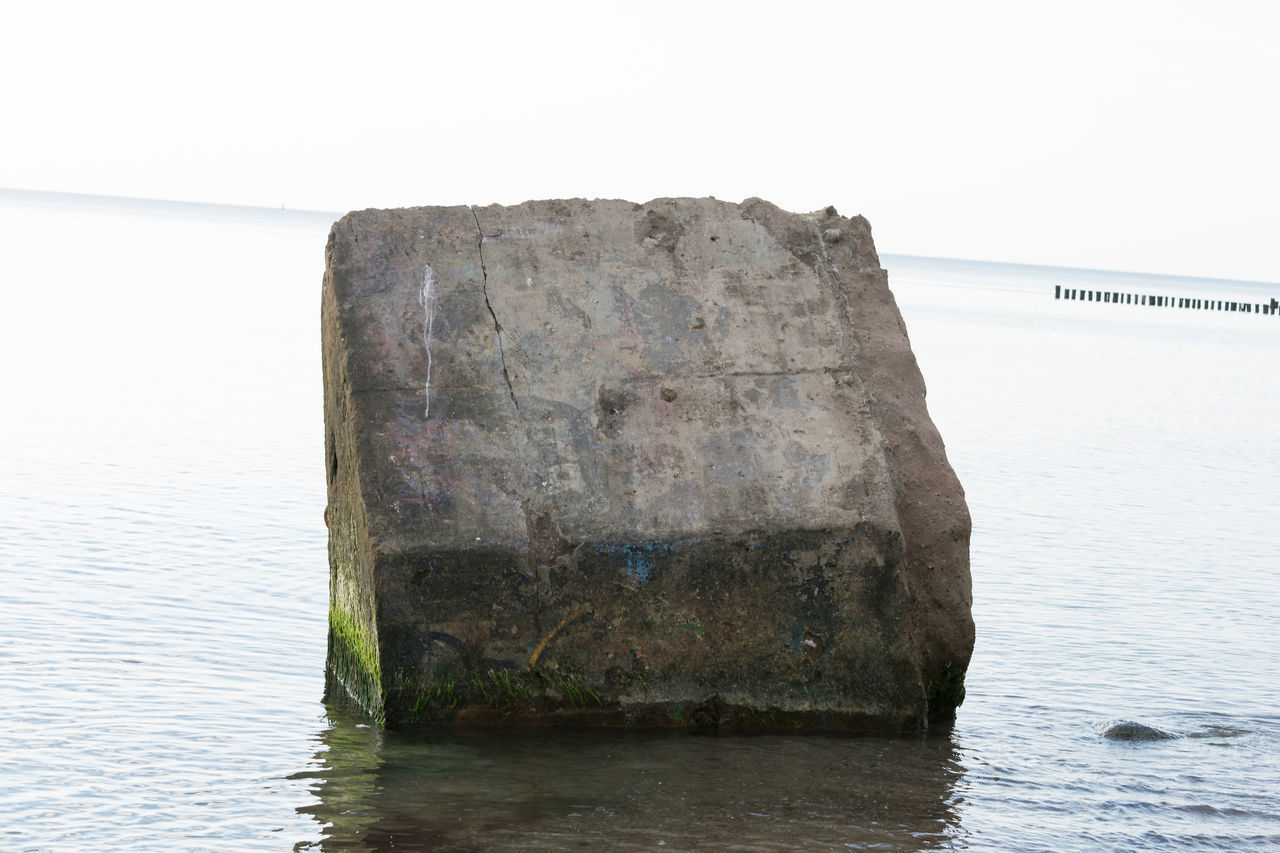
1129,730
604,462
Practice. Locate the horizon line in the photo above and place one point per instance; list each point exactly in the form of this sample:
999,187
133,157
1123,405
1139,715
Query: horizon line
104,200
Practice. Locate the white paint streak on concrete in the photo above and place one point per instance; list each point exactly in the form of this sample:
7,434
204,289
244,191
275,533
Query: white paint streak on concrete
428,300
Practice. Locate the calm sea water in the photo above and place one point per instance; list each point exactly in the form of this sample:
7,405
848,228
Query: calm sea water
164,594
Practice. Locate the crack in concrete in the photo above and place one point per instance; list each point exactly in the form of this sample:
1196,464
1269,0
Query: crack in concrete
497,327
668,378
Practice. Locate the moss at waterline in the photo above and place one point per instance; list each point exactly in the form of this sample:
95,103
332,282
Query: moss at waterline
943,694
501,689
353,658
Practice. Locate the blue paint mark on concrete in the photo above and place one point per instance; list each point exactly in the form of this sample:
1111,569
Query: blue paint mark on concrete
638,559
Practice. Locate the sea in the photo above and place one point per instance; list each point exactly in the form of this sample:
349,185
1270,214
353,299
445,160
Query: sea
163,579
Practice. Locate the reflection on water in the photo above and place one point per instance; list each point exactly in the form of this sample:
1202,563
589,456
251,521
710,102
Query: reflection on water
533,789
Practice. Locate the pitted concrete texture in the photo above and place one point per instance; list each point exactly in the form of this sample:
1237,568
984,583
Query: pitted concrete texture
664,463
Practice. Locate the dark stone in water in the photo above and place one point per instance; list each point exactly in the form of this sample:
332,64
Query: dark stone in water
1131,731
621,464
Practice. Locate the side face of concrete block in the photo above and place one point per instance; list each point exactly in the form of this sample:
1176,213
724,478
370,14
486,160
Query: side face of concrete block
634,464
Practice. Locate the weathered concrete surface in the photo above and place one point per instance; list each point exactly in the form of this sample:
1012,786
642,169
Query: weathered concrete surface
662,463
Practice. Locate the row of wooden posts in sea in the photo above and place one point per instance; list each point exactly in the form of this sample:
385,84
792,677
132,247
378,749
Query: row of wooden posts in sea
1060,292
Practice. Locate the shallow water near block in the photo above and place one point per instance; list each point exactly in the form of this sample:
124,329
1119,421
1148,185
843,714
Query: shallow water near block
473,789
165,581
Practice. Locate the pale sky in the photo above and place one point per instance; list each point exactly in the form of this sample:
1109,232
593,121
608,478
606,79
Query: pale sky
1131,134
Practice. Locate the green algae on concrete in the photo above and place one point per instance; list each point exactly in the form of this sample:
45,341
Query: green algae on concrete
353,658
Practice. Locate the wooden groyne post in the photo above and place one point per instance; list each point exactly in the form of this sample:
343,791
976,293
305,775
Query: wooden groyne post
1156,301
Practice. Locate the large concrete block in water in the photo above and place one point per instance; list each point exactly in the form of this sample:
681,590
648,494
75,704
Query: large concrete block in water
634,464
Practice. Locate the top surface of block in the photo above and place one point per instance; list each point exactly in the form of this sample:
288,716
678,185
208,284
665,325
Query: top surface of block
661,371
